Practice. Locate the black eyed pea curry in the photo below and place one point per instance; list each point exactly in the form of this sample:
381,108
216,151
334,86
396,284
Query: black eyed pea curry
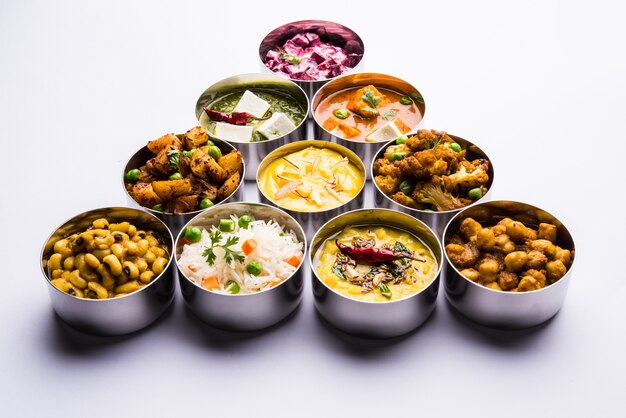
107,260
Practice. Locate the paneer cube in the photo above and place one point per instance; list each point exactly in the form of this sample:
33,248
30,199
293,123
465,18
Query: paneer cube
338,128
390,130
234,133
252,105
276,126
365,100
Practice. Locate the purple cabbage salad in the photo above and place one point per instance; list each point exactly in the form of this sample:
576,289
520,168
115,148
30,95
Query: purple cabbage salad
307,57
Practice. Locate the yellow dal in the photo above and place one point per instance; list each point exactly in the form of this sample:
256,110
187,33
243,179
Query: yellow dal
348,176
418,277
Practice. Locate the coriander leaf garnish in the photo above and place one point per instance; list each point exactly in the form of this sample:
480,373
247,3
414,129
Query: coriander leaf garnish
370,98
209,255
290,58
371,110
389,114
229,254
173,156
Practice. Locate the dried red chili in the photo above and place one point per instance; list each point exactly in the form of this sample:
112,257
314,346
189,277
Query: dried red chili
235,118
370,255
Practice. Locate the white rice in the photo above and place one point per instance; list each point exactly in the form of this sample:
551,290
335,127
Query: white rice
272,251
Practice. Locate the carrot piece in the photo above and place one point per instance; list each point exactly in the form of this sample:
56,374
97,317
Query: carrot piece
248,246
276,282
211,282
190,267
294,261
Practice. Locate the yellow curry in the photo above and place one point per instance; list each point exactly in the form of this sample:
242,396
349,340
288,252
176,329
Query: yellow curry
311,180
375,264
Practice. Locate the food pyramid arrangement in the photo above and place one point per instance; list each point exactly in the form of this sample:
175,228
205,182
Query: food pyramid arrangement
241,265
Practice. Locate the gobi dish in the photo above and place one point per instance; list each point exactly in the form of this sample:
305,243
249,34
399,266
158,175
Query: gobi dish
429,171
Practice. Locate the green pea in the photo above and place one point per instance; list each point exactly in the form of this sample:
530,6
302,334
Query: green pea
406,100
384,289
232,287
214,152
189,153
205,203
401,139
132,175
176,176
244,221
396,156
341,113
193,234
227,225
158,207
428,210
406,187
210,143
455,147
475,194
254,268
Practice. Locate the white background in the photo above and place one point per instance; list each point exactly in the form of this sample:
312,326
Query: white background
539,85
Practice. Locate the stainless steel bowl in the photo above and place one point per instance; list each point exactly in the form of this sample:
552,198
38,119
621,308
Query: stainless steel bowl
500,309
312,221
253,152
330,32
175,221
121,315
375,319
365,150
247,312
436,220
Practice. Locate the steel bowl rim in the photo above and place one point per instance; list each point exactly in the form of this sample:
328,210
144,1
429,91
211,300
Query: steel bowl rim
351,71
174,215
506,294
481,200
404,299
255,294
108,300
322,144
371,75
277,78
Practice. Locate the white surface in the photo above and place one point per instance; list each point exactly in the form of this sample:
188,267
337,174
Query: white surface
539,85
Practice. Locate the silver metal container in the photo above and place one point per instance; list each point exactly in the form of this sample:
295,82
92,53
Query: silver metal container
365,150
500,309
175,221
312,221
375,319
330,32
124,314
253,152
240,312
436,220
